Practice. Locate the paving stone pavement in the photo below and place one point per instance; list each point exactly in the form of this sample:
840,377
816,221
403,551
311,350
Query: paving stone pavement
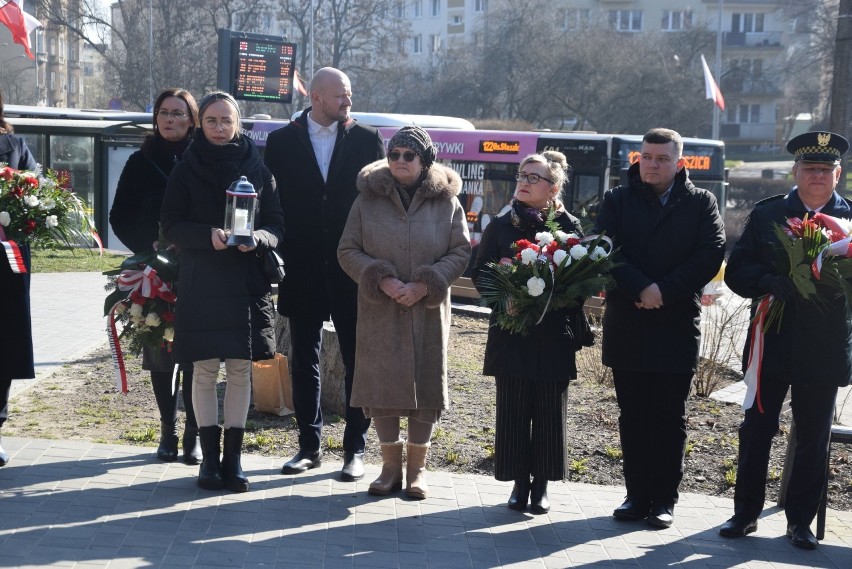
86,505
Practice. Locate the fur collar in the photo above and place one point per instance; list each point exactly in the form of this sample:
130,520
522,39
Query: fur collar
375,180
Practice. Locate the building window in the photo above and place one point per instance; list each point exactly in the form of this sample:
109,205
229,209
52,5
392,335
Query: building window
626,20
676,20
457,20
572,19
480,5
417,46
418,8
400,9
435,40
747,22
436,7
744,114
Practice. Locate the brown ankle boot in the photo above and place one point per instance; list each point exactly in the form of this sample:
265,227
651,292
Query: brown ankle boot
416,471
390,480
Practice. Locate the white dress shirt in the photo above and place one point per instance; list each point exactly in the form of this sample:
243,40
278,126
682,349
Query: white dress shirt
322,139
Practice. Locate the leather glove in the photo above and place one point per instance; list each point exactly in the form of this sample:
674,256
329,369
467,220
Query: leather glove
779,286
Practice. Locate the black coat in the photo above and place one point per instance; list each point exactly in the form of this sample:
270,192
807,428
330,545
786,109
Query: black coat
814,343
546,353
135,213
224,309
15,153
16,338
680,247
315,212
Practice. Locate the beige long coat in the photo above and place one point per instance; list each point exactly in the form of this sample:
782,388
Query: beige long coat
401,353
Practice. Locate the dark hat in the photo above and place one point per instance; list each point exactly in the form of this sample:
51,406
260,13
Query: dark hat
416,139
818,147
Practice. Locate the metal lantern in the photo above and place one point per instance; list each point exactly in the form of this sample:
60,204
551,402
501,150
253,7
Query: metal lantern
239,213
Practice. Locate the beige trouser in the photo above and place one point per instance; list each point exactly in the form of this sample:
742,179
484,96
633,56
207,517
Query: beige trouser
237,392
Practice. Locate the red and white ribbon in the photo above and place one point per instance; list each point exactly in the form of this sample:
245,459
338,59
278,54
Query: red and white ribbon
147,282
755,357
115,347
13,254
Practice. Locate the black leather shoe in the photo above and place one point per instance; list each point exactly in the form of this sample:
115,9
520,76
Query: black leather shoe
353,466
632,510
738,527
539,503
303,461
520,495
801,536
661,516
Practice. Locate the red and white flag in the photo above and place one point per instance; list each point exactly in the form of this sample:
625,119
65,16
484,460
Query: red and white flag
711,89
19,23
299,83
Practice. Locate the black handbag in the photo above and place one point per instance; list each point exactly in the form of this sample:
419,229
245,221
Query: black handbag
273,266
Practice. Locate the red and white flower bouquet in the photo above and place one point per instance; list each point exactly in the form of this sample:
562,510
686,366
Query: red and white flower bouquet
560,270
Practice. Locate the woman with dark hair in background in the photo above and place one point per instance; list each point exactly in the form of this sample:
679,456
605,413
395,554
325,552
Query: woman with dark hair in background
16,338
224,309
135,219
531,372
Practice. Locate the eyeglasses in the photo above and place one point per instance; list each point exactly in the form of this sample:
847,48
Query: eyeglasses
407,156
531,178
214,123
177,115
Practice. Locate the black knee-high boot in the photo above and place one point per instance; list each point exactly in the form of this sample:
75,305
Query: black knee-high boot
232,470
191,442
210,471
166,397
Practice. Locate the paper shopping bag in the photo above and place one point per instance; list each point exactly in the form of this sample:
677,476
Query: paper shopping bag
271,389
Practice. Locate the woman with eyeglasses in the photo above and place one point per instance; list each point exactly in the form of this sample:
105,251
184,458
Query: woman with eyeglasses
135,220
531,372
224,306
404,243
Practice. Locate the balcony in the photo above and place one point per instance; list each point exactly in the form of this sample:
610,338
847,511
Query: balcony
751,39
746,85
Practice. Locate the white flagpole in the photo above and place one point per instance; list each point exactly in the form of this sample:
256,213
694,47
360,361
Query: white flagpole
717,112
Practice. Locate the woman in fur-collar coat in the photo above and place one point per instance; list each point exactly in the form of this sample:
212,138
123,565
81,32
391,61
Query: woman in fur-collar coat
404,244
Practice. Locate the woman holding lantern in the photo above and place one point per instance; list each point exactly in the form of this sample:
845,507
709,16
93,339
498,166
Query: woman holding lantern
224,309
135,219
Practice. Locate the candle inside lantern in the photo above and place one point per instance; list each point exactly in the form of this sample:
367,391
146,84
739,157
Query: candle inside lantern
241,222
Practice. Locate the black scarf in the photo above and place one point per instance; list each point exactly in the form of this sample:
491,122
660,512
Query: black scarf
528,218
220,165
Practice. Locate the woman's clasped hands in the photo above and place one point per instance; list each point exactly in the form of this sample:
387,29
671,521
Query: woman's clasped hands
407,294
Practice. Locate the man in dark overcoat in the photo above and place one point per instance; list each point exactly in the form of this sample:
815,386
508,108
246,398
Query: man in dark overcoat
671,242
810,352
315,160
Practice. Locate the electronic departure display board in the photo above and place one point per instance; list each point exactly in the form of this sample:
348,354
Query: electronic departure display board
262,69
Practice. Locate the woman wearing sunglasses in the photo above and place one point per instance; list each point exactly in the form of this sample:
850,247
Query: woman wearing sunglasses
531,372
405,242
135,219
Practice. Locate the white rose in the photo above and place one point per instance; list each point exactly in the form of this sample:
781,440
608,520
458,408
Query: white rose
5,218
561,236
579,251
169,334
51,221
135,309
152,320
559,256
544,238
31,200
598,253
536,286
49,203
528,256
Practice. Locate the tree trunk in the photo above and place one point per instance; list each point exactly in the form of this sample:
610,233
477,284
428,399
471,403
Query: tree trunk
842,83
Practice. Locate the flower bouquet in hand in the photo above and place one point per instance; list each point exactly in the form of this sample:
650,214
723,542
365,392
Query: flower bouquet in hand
560,270
818,261
142,301
39,209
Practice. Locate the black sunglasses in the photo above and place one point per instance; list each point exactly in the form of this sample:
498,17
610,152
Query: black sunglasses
407,156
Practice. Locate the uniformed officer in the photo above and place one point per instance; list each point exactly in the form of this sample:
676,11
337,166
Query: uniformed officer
809,352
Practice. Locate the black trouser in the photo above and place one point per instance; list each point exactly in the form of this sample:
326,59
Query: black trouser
165,392
306,338
652,425
532,430
813,412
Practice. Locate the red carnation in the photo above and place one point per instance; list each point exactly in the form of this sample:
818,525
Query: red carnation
30,226
6,173
168,316
31,181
